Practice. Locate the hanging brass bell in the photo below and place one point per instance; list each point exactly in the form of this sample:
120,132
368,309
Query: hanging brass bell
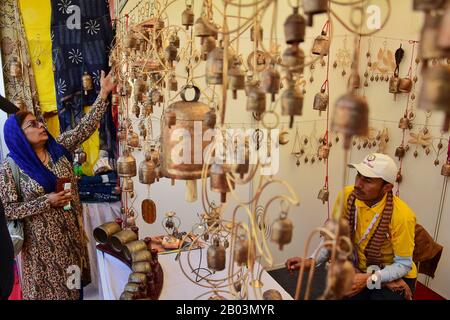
404,123
187,17
294,28
173,83
236,79
394,83
210,119
218,180
350,117
147,170
405,85
208,45
216,256
127,185
321,45
294,58
292,103
15,68
133,139
282,231
126,165
435,93
427,5
170,53
256,100
400,152
321,100
201,30
445,171
241,252
253,33
312,7
323,151
250,84
323,195
214,66
87,82
270,81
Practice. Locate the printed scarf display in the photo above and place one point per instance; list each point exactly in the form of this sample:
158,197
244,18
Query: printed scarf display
81,37
372,250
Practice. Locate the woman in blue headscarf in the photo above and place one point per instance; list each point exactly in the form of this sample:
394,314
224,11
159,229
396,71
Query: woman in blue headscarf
54,251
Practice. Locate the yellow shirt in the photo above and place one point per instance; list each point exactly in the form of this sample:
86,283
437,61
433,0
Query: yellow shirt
401,229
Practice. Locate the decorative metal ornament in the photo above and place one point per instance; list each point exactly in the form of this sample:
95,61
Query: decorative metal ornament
270,81
321,45
405,85
208,45
294,28
321,100
404,123
445,171
216,256
253,33
291,103
241,252
218,180
313,7
400,152
323,195
282,231
236,79
256,100
394,83
214,66
294,59
126,165
147,173
187,17
118,240
103,233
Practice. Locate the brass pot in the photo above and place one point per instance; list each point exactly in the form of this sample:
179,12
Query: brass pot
350,117
282,231
294,58
136,277
187,17
121,238
241,252
126,165
141,267
270,81
294,28
103,233
321,45
147,173
188,115
272,294
132,247
219,181
141,256
216,256
445,171
292,103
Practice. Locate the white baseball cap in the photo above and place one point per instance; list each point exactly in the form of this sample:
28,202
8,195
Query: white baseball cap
377,165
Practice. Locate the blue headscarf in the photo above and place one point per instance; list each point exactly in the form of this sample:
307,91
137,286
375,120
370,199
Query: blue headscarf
22,153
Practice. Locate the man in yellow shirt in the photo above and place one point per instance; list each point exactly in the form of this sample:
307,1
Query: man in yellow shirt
382,232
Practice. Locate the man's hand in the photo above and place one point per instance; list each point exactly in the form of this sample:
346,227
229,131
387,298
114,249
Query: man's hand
359,283
107,84
296,262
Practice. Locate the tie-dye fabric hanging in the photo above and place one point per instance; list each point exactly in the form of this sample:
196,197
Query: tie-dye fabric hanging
81,34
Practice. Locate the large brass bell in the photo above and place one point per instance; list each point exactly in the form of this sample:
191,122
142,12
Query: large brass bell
219,182
270,81
241,252
321,100
87,82
126,165
294,28
292,103
147,170
216,256
294,58
321,45
15,68
187,17
435,93
201,30
256,100
236,79
186,115
214,66
350,117
445,171
210,119
312,7
208,45
282,231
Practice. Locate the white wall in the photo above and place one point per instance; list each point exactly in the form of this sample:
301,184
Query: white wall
422,184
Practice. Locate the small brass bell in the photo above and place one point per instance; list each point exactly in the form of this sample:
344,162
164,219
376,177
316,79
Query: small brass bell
445,171
208,45
405,85
294,28
270,81
170,53
250,84
435,93
201,30
216,256
187,17
312,7
214,66
127,185
294,58
170,118
147,173
427,5
399,177
394,83
350,117
241,252
282,231
133,139
256,101
291,103
321,45
400,152
323,195
253,33
323,151
87,82
236,79
173,83
15,69
219,181
126,165
404,123
321,101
